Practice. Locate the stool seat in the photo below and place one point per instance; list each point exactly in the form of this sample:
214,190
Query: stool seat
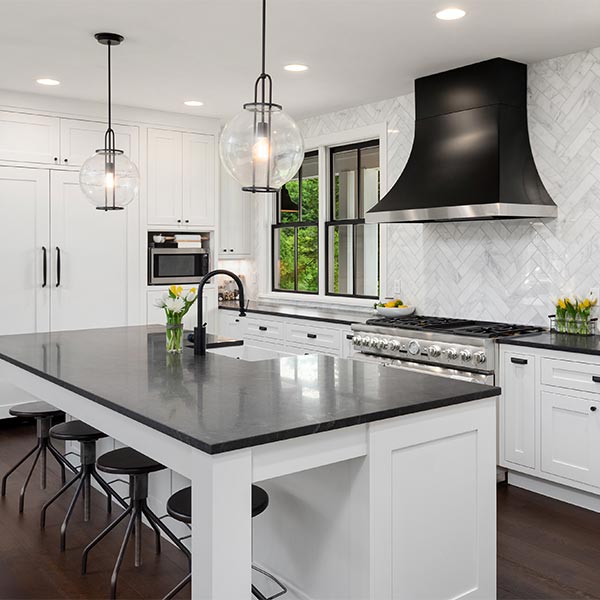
127,461
76,431
179,505
34,409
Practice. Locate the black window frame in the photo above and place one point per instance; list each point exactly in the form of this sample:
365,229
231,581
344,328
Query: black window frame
332,222
295,225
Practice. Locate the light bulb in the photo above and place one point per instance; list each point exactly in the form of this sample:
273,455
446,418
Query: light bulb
109,181
261,150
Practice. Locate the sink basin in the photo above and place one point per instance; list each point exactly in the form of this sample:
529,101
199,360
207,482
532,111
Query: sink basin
249,353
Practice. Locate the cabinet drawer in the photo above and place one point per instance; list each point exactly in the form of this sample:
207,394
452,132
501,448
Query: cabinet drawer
313,336
264,328
572,375
232,325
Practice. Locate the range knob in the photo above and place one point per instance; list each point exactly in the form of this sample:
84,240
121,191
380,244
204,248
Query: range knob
465,355
385,344
375,342
452,353
366,341
394,345
414,348
357,340
479,357
434,351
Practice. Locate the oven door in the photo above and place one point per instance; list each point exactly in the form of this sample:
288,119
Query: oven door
485,378
169,266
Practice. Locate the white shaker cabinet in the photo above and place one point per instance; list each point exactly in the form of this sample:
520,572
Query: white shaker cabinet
91,259
80,139
181,179
518,396
235,227
570,430
25,248
29,138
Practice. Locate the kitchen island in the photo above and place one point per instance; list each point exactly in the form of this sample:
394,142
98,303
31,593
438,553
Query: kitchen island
422,450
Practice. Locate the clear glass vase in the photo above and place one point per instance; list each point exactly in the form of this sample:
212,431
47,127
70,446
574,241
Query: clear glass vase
174,335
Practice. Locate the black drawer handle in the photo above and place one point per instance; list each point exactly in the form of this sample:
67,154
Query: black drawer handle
237,320
518,361
262,328
349,336
57,266
596,378
593,408
44,266
312,336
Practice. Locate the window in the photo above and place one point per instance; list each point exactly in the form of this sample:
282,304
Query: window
296,231
346,247
353,245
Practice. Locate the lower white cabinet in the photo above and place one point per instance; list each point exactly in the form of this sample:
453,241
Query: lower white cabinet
518,387
549,416
570,431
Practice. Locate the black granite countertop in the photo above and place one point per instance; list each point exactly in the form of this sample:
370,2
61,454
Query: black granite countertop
563,342
219,404
310,313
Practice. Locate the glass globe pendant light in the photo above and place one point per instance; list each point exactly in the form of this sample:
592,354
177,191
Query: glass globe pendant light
108,178
262,147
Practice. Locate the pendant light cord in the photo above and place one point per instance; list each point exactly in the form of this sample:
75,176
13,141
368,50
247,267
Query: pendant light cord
109,90
264,36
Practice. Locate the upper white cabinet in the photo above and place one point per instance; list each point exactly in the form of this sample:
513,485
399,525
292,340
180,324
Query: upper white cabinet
80,139
29,138
518,397
235,219
181,179
53,140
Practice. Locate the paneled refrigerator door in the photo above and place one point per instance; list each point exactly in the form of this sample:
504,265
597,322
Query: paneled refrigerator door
90,259
24,250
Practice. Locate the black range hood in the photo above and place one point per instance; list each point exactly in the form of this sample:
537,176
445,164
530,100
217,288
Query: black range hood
471,158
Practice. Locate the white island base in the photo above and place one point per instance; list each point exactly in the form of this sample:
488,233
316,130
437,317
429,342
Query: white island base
402,508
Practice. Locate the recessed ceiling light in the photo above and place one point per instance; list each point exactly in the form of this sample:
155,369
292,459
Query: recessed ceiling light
193,103
296,68
47,81
450,14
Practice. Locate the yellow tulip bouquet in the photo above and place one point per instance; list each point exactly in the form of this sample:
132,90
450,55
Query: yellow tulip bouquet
176,303
573,314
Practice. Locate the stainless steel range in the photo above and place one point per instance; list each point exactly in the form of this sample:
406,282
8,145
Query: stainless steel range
456,348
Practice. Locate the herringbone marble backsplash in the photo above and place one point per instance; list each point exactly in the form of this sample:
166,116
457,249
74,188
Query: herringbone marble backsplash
504,270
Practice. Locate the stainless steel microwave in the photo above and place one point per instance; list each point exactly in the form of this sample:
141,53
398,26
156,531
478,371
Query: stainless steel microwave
167,266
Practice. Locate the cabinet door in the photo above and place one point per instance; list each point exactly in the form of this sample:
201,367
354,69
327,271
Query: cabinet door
570,431
518,408
235,219
25,218
29,138
80,139
92,249
164,177
199,194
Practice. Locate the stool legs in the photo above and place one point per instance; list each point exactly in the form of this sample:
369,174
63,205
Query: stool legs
138,508
83,477
40,450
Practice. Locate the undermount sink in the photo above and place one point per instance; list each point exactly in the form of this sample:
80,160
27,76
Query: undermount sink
249,353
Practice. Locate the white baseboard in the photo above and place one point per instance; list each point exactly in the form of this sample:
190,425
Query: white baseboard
555,490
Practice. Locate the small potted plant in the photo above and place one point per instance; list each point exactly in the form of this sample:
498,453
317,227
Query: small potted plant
176,303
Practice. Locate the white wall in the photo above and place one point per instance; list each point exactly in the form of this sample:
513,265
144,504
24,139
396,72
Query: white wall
503,270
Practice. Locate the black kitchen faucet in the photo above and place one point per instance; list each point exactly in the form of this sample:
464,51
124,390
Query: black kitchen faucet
200,329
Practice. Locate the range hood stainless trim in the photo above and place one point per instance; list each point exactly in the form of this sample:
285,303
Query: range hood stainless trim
475,212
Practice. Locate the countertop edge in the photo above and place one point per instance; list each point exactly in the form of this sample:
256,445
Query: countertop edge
279,313
524,342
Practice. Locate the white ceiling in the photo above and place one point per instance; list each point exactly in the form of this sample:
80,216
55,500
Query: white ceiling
358,50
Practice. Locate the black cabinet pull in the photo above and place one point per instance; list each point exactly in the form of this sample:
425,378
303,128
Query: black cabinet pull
596,378
66,160
262,328
237,320
56,159
179,220
187,220
224,249
518,361
312,336
230,249
349,336
593,408
57,266
44,265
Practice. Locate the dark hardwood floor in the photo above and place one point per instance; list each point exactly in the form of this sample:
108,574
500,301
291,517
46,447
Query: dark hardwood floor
546,549
31,565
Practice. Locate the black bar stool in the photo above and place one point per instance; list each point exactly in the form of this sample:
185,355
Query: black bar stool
87,436
126,461
179,506
42,412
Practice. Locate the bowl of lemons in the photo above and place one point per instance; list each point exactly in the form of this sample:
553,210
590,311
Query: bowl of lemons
394,308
